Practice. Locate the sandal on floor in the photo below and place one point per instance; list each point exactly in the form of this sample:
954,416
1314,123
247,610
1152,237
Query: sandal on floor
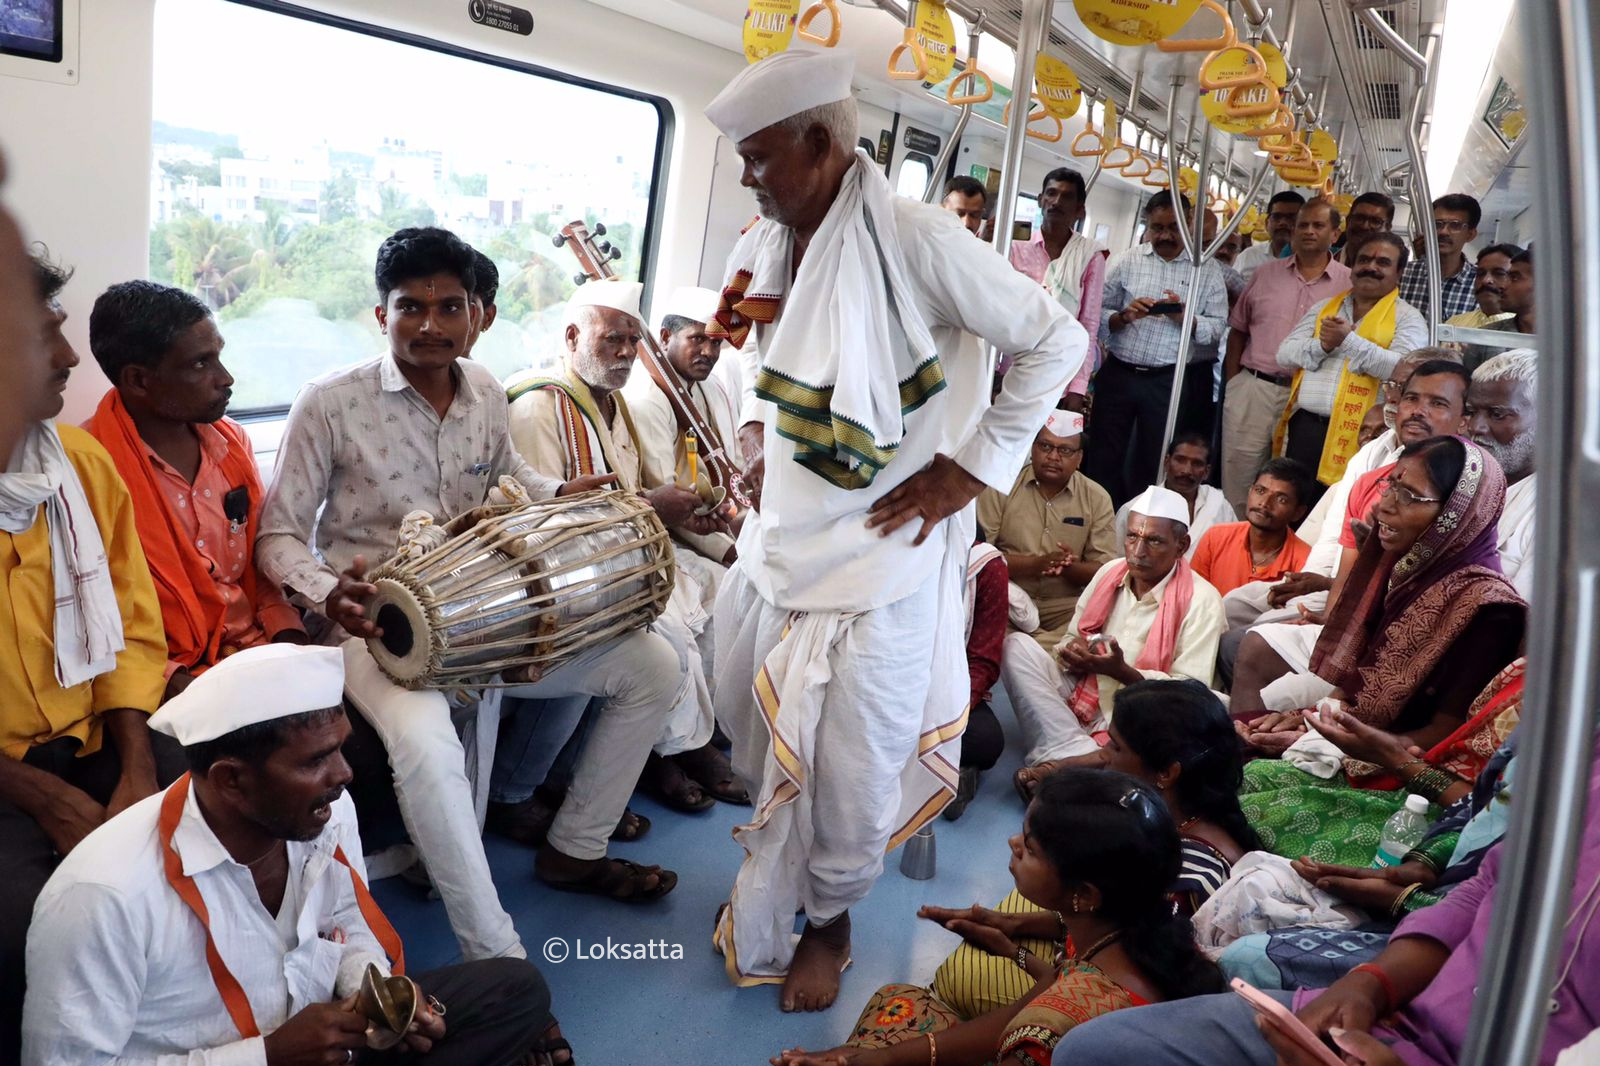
618,879
528,822
545,1051
714,773
665,780
631,826
1026,780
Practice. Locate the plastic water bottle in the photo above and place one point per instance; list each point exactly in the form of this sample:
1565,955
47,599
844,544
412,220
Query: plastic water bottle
1403,831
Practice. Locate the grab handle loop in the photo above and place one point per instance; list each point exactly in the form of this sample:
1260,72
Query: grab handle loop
804,28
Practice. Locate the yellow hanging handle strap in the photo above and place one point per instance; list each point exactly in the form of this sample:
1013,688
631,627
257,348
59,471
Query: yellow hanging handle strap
1080,143
804,28
909,45
1209,81
1157,178
1206,44
1037,115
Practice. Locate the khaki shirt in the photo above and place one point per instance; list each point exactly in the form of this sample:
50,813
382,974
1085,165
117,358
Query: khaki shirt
1079,518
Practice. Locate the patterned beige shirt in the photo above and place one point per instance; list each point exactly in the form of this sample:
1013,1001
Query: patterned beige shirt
362,448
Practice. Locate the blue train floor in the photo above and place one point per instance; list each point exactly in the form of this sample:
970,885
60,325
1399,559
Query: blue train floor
652,1012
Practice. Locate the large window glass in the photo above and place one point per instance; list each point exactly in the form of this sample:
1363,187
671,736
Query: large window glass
282,160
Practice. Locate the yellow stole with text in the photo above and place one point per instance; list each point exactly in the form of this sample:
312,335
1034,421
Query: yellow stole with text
1355,394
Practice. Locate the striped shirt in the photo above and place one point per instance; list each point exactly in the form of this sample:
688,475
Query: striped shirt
1202,871
1153,341
1456,294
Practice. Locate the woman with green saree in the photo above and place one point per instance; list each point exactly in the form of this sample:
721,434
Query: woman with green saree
1425,622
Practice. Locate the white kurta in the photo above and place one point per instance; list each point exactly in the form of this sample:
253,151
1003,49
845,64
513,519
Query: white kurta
117,961
1211,508
1039,688
842,678
1516,535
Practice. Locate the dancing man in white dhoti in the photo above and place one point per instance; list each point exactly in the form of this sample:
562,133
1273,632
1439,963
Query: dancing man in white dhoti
839,629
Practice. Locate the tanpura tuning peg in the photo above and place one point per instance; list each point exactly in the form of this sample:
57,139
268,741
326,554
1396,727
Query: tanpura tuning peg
579,279
616,253
605,247
559,240
599,229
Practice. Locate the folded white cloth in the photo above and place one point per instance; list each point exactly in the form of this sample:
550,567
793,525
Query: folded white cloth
1021,610
1294,691
1315,754
1264,893
849,355
88,623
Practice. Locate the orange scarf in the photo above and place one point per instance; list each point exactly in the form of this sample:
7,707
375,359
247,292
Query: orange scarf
192,608
228,987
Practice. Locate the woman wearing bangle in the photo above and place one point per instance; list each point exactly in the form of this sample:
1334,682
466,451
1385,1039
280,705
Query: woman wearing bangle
1101,849
1174,736
1339,821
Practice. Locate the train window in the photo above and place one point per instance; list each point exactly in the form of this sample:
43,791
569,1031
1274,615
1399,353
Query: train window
270,206
916,170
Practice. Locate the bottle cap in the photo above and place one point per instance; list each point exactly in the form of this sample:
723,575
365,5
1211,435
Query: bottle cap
1417,804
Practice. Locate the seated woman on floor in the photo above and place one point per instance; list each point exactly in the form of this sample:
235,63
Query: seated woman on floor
1099,848
1475,818
1424,622
1174,736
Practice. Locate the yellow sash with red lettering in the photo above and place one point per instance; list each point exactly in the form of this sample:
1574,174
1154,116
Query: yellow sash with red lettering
233,996
1355,394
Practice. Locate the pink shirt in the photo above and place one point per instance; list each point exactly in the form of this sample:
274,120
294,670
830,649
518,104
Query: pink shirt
1031,258
224,546
1275,301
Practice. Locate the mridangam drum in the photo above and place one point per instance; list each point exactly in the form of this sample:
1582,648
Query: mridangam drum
524,589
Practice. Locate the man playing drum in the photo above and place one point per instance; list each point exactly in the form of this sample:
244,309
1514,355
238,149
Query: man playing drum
875,424
419,428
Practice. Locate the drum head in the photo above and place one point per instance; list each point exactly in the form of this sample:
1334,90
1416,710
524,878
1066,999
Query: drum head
405,651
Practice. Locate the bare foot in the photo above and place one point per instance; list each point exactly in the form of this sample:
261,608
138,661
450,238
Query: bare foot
813,981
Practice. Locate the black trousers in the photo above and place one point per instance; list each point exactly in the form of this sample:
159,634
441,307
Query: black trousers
1130,418
496,1010
28,856
984,741
1303,442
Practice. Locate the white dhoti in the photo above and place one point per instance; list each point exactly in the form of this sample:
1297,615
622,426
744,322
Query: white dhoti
1039,691
686,624
846,726
1294,644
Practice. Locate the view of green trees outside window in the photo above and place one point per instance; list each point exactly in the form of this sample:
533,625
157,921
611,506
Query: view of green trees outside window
271,205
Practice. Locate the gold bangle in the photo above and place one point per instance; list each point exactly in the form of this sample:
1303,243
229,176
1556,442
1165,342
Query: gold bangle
933,1050
1397,908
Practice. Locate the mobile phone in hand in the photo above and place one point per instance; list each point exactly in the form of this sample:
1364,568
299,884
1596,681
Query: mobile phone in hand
1166,307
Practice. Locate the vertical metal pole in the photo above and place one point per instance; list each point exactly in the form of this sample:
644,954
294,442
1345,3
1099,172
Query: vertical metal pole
1421,198
1195,249
1532,899
1030,39
1423,202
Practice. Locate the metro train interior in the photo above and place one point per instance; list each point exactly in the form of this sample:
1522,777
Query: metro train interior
256,153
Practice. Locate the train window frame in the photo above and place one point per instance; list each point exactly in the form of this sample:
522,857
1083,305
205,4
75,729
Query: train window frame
919,159
666,128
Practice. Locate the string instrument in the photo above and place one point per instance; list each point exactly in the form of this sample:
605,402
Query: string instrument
595,258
